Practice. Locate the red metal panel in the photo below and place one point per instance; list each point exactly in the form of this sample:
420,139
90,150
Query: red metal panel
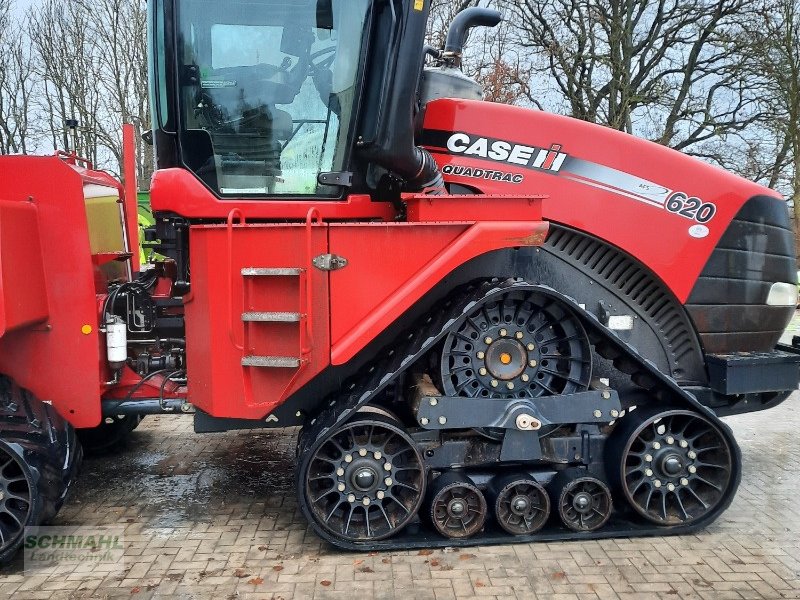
58,361
611,190
391,266
220,294
178,191
426,207
23,293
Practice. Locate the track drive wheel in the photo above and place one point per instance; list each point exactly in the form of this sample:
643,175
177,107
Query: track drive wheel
365,481
39,459
583,502
524,345
457,508
673,466
520,503
110,435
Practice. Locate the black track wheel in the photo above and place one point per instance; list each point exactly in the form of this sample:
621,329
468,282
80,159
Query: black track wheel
363,482
39,459
521,505
672,466
583,502
456,507
110,435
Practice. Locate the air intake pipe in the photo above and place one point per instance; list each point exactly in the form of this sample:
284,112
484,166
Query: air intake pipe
388,141
459,30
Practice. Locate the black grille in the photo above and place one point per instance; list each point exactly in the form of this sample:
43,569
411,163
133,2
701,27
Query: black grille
728,302
630,280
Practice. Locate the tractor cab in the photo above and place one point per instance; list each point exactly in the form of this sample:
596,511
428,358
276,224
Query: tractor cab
268,98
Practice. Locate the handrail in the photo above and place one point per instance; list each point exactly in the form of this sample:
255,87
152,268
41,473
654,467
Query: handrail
231,279
307,335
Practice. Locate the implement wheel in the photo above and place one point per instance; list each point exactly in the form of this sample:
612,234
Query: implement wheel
39,459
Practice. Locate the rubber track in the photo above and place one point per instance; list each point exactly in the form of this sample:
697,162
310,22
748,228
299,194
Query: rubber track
422,338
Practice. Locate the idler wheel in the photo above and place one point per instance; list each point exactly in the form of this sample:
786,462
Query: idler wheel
366,480
583,502
673,466
457,509
521,505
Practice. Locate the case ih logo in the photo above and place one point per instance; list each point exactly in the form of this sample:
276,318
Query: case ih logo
548,159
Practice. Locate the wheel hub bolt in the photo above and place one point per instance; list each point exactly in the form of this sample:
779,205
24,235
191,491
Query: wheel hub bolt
503,333
434,401
525,377
340,471
424,421
684,481
671,487
442,420
377,455
483,371
648,457
348,458
657,483
510,385
341,487
597,414
692,454
365,501
351,498
615,413
531,347
363,452
381,494
692,469
481,355
683,444
488,340
532,363
495,383
364,478
388,466
656,446
648,472
519,335
388,481
670,440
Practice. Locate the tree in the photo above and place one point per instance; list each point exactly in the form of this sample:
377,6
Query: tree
16,86
669,70
776,49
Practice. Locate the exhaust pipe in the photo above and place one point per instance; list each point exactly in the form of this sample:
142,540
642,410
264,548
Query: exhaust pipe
459,30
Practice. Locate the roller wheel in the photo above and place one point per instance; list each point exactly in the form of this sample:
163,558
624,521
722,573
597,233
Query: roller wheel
457,508
673,466
365,481
583,502
110,435
521,505
39,459
524,346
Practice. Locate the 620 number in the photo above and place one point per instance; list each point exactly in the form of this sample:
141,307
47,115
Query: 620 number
691,207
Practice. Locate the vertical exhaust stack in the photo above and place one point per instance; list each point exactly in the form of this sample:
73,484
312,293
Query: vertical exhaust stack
460,27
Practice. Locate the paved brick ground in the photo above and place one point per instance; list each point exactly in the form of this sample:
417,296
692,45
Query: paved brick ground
214,517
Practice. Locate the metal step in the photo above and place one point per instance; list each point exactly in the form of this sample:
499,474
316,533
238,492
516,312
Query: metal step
267,272
271,317
278,362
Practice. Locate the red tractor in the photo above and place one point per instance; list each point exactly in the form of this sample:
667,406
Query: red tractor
493,324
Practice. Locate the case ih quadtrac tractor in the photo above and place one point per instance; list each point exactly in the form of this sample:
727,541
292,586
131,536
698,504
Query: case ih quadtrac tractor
491,324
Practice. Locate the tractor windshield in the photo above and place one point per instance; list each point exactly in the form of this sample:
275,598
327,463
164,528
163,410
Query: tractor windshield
268,92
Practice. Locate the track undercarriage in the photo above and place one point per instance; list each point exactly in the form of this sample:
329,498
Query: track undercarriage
484,425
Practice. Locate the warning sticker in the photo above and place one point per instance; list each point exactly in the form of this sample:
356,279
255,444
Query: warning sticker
419,4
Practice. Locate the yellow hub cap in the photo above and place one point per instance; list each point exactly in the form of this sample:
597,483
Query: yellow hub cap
505,358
